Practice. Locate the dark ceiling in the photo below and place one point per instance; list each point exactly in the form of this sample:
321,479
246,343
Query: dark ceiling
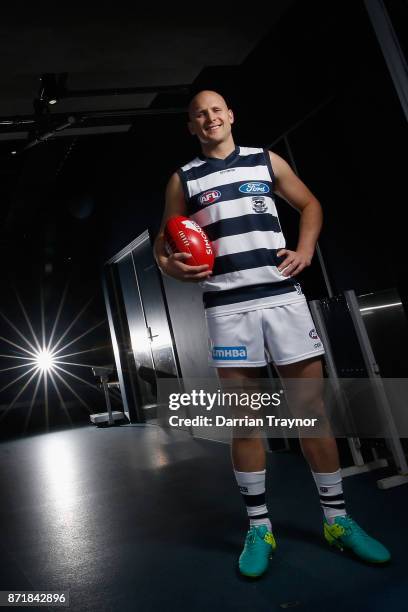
107,47
113,47
277,66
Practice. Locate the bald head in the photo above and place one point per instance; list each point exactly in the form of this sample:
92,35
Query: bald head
210,120
204,98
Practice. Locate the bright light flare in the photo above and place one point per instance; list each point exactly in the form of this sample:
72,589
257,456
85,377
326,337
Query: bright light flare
44,360
41,360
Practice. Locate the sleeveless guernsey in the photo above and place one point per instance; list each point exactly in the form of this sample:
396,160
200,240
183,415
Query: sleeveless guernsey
232,200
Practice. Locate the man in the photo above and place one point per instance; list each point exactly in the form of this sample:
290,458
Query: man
253,302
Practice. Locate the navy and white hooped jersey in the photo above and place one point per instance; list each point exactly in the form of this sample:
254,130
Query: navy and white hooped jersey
232,200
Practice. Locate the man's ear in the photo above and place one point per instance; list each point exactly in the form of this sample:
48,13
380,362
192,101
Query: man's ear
191,128
231,116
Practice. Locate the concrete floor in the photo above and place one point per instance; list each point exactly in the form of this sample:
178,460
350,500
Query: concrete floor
139,518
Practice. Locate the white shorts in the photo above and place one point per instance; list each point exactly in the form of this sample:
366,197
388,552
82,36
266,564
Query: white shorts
281,334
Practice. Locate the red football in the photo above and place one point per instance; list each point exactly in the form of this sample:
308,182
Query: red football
185,236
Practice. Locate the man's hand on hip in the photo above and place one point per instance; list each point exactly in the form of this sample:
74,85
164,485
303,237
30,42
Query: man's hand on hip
294,262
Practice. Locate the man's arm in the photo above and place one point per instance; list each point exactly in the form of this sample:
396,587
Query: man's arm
173,265
294,191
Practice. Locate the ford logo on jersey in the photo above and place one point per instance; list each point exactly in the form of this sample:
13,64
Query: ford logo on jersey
229,352
254,188
208,197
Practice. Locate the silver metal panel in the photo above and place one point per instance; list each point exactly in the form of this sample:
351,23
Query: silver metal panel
140,345
374,373
189,327
354,443
115,347
157,329
129,247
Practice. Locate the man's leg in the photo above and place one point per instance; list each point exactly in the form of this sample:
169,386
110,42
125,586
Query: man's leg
248,459
247,454
321,453
322,456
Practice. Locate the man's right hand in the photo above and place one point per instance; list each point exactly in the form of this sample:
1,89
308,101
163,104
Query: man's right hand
174,266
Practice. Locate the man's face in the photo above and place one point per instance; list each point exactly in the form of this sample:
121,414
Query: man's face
210,118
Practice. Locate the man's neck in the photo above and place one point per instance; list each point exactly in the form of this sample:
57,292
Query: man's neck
220,151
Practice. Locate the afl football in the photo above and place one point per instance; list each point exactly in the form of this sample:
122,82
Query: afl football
183,235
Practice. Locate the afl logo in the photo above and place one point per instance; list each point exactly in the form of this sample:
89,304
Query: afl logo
259,205
313,334
209,197
254,188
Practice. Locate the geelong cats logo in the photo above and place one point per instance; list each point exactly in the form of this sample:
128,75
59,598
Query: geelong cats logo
259,205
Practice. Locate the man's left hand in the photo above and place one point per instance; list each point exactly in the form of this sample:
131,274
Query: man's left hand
294,262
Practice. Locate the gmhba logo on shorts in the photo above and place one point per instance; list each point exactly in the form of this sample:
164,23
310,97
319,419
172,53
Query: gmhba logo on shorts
229,352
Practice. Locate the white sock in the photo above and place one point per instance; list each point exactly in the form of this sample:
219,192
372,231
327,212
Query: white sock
252,488
330,488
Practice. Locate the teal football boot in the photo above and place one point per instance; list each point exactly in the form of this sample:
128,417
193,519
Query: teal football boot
258,549
345,533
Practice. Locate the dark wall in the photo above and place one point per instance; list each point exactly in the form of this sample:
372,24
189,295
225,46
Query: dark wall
347,151
139,166
319,77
